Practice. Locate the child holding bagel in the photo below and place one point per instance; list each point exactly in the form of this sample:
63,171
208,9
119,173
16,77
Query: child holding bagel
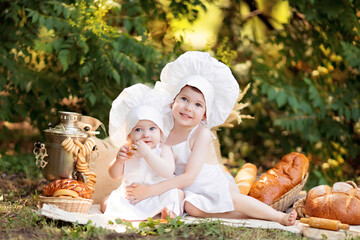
204,92
138,117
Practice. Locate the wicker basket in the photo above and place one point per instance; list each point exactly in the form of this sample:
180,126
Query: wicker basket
286,200
79,205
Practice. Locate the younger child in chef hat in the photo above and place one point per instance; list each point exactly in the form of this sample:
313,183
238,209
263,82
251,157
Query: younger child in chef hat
138,102
139,123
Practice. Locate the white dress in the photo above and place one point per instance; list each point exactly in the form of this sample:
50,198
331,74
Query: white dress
210,190
138,171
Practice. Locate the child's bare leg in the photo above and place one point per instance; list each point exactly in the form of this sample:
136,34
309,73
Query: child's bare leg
103,204
195,212
165,212
257,209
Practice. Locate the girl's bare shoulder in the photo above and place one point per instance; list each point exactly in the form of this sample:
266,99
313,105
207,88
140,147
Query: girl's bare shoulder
202,133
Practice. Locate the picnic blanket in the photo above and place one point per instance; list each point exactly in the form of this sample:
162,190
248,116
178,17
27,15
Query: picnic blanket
100,220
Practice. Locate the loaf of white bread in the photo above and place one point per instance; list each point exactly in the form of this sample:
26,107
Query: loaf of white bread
246,177
284,176
340,202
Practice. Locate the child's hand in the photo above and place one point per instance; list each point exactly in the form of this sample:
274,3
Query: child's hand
137,192
124,153
141,148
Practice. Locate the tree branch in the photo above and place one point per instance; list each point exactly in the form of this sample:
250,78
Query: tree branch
254,11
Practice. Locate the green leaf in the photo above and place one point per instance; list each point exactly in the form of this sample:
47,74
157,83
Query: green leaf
281,98
41,20
293,102
64,57
92,98
347,113
57,43
271,93
355,114
35,17
127,25
49,23
66,13
116,76
58,9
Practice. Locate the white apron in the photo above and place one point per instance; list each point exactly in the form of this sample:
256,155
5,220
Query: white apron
138,171
210,190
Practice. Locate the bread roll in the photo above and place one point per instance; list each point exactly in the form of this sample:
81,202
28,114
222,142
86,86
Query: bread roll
284,176
339,202
69,184
246,177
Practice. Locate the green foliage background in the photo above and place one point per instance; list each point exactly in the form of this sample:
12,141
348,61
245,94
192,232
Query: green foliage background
79,55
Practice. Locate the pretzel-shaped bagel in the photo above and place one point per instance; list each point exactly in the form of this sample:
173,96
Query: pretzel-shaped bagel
80,151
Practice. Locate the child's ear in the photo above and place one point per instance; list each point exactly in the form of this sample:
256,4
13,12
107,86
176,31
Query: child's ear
204,117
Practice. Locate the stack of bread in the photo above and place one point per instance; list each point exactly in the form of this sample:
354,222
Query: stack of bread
68,194
339,202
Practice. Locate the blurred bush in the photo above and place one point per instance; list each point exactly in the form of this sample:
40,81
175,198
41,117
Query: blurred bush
301,57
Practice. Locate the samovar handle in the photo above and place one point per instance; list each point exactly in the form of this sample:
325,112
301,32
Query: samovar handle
40,153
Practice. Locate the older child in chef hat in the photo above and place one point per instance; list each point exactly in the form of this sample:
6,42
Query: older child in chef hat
140,121
201,85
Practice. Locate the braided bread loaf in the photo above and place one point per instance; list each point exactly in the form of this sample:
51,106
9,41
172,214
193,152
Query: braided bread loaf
69,184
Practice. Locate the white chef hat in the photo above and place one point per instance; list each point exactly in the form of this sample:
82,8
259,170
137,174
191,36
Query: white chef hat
213,78
135,103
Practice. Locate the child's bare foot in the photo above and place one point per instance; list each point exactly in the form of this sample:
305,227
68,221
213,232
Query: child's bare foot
165,212
289,218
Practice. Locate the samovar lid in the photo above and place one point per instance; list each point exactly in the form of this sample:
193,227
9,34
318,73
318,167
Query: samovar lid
67,126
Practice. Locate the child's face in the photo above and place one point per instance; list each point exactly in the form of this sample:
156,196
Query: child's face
189,107
147,131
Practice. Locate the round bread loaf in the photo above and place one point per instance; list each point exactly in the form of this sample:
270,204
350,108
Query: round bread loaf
69,184
284,176
339,202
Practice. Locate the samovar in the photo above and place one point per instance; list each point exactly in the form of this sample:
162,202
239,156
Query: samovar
51,156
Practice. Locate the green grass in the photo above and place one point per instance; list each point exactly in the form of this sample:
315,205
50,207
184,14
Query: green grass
21,222
24,164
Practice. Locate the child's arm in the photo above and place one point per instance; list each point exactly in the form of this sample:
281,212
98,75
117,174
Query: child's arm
116,167
163,165
200,150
